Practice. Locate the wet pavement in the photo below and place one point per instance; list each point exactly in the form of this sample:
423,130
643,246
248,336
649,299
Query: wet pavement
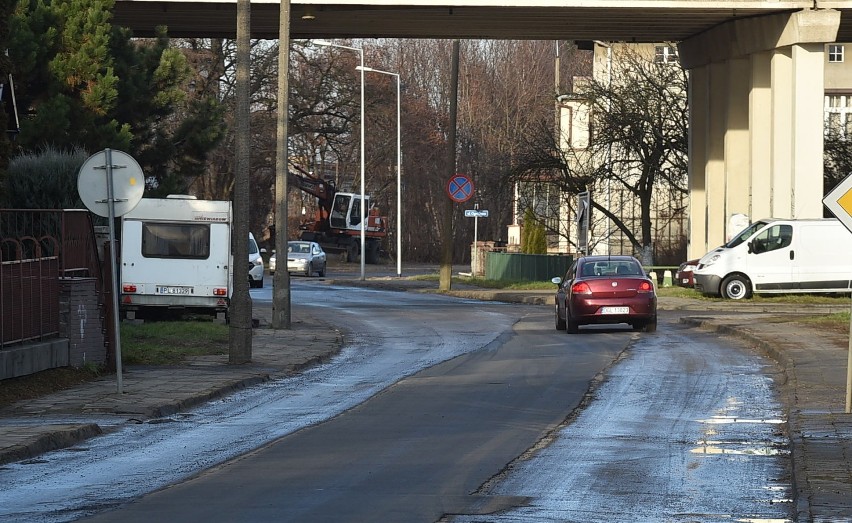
814,362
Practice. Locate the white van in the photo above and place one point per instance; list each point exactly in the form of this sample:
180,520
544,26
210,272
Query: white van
779,256
176,254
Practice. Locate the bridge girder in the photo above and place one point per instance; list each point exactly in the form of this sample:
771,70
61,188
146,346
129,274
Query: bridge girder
607,20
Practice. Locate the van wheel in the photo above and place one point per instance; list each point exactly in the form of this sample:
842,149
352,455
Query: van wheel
736,287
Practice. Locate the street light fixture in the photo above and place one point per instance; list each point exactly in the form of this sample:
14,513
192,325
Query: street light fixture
398,168
360,52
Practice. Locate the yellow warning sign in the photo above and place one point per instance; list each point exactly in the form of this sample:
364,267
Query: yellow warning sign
839,202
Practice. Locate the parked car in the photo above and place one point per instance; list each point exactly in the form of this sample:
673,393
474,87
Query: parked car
684,276
272,263
605,290
306,257
779,256
255,263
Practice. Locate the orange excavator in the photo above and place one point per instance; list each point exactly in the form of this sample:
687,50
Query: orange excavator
336,225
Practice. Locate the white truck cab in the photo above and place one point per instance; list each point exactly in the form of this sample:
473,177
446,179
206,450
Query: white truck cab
779,256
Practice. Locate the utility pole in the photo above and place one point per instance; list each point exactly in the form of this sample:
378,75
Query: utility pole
240,329
446,276
281,306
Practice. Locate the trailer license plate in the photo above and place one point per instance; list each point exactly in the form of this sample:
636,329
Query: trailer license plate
615,310
174,290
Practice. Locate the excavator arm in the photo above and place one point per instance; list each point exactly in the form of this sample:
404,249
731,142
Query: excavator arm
322,190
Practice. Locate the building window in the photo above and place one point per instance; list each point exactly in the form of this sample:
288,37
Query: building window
665,54
838,114
835,53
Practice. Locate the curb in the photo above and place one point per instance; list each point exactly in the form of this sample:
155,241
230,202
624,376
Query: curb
60,438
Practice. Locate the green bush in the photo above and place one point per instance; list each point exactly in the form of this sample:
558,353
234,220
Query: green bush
45,180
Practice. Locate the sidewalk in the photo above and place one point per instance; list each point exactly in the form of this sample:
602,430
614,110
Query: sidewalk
32,427
814,364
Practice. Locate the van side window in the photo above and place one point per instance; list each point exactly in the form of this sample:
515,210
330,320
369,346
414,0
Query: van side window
773,238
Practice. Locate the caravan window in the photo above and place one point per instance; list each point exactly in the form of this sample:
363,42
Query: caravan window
174,240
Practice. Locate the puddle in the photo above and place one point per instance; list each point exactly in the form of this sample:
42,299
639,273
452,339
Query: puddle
721,420
742,448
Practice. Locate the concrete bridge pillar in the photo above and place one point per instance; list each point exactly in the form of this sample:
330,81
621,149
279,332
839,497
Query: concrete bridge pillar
756,121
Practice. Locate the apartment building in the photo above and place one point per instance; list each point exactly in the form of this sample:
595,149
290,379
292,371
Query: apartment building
669,208
559,210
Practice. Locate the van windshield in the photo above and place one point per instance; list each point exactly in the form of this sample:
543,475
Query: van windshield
745,234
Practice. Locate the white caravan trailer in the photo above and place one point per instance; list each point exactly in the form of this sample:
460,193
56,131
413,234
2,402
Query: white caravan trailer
176,254
779,256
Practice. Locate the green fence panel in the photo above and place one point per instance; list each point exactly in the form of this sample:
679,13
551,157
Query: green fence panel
526,267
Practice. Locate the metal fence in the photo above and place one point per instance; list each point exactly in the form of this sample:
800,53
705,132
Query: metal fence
37,247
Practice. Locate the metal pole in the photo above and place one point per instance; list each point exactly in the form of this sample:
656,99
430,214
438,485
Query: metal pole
849,371
363,196
361,68
114,270
364,69
475,247
398,180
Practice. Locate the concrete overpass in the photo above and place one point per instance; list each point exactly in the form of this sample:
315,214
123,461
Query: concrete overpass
756,82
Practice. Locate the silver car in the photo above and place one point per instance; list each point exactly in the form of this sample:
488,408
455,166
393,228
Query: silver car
306,258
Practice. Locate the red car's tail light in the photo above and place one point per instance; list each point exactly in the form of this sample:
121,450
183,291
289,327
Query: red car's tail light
581,288
646,286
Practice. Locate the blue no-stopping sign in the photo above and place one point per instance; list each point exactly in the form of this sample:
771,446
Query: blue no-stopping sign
460,188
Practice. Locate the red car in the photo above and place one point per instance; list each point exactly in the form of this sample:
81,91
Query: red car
684,277
606,289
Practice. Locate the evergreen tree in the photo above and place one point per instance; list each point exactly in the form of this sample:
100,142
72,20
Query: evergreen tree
538,239
6,9
86,84
526,229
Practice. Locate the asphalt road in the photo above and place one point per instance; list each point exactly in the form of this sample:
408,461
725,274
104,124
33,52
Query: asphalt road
417,450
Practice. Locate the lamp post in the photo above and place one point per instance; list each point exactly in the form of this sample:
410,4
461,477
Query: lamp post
360,52
398,168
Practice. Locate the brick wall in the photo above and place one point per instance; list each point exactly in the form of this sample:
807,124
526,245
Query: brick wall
80,321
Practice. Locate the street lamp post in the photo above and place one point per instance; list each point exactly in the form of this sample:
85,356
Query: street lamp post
360,52
398,168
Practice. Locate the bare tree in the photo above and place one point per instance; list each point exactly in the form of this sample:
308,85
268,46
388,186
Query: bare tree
505,88
638,142
837,156
640,122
